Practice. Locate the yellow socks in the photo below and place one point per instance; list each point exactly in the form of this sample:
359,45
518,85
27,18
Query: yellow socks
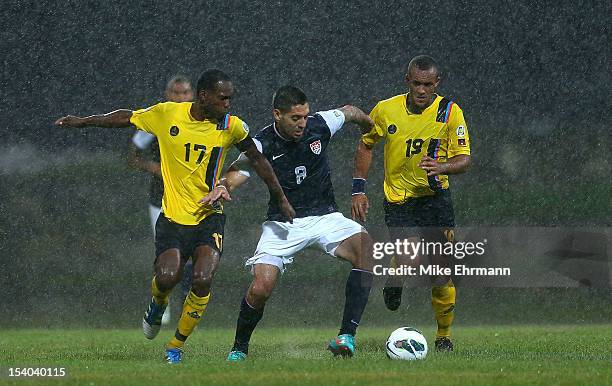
158,296
443,302
193,309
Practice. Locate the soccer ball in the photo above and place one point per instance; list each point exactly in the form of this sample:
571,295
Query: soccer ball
406,343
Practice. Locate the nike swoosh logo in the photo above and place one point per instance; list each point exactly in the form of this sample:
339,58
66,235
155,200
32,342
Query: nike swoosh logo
277,156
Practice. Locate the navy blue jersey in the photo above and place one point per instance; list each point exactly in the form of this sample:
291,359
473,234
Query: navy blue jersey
302,166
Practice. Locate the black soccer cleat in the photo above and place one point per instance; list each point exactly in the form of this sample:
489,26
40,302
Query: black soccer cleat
443,344
392,297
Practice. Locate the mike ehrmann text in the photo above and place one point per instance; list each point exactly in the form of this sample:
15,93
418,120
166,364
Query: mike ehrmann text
437,270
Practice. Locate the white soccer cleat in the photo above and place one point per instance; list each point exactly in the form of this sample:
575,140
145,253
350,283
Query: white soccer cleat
150,330
151,323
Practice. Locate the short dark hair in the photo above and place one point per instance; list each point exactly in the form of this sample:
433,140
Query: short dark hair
423,62
210,78
288,96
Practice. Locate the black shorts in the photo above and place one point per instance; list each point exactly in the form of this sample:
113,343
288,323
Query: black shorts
187,238
421,213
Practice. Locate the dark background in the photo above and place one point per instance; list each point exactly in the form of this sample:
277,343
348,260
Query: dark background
533,79
527,65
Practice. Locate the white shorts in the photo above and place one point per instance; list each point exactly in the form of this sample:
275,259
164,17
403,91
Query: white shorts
281,240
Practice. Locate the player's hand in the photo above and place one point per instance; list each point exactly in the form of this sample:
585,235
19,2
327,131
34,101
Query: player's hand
432,167
219,192
71,121
367,125
287,210
359,207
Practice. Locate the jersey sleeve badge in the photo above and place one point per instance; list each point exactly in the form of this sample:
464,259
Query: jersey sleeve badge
460,131
316,147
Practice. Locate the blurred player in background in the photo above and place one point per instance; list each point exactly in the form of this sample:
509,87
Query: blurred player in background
426,139
144,155
193,142
296,145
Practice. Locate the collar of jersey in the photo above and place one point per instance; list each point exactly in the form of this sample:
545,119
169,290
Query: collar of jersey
277,133
189,113
192,119
422,112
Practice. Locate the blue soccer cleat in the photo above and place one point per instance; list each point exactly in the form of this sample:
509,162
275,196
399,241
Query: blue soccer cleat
343,345
173,356
152,321
236,356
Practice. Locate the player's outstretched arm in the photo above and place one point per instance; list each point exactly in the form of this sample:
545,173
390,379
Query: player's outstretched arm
263,168
355,115
117,118
359,200
455,165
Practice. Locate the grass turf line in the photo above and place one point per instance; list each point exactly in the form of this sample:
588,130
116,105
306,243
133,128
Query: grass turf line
518,355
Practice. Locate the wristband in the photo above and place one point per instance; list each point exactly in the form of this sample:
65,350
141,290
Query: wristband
358,186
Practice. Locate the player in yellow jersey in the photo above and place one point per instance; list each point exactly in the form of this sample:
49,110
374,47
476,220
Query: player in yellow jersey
193,141
144,155
426,139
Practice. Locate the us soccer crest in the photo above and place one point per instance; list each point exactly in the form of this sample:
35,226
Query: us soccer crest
316,147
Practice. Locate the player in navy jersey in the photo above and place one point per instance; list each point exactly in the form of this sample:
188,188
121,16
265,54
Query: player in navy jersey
296,146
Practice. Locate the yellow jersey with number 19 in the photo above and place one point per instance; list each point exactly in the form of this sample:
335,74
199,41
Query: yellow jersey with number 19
439,131
192,153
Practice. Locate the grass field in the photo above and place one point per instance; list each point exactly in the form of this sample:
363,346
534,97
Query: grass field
103,219
517,355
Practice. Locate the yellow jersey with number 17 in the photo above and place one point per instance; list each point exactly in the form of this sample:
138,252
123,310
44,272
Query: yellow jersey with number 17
192,153
439,131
